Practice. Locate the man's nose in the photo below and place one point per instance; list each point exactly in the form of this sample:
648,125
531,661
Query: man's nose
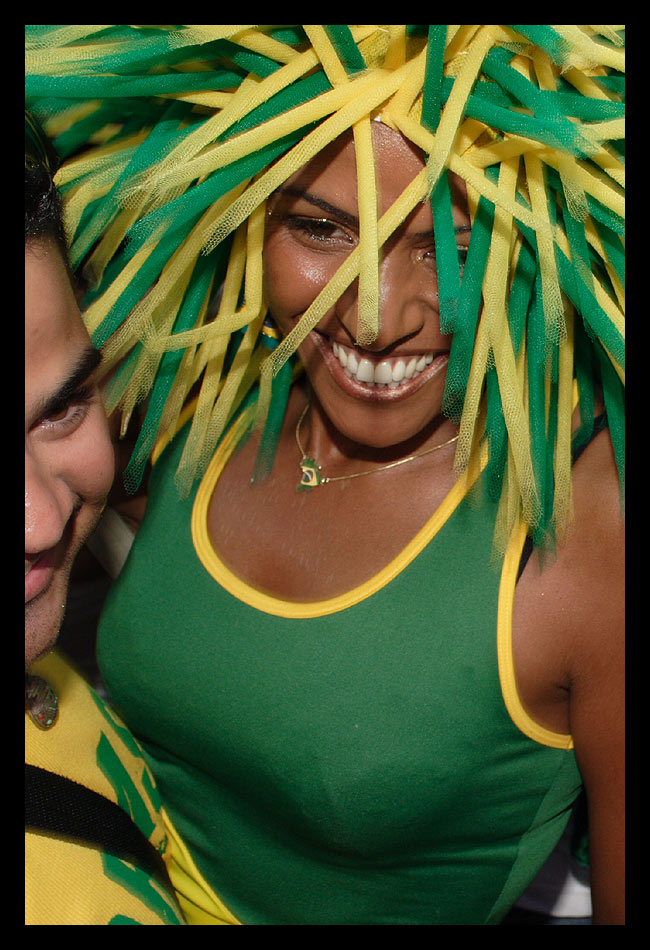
408,298
49,504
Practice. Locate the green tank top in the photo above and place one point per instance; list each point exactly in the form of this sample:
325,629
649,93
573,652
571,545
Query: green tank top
363,760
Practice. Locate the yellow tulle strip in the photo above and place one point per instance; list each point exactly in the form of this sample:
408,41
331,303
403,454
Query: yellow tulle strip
213,414
217,156
370,95
210,358
584,52
495,307
61,36
396,53
391,88
455,105
58,61
368,297
614,311
251,94
95,312
563,500
266,46
402,102
594,239
473,397
551,295
79,197
152,319
322,46
573,190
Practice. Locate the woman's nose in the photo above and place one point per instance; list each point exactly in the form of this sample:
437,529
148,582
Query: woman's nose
408,299
49,505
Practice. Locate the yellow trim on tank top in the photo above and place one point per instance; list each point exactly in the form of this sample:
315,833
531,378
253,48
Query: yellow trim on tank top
282,608
197,900
311,609
516,711
509,572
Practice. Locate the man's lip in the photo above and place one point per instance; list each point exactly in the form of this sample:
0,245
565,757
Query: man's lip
40,574
375,394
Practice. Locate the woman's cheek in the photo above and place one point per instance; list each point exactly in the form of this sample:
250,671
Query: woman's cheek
290,296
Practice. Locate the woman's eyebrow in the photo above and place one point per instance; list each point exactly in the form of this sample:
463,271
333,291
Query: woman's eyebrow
307,196
344,216
459,229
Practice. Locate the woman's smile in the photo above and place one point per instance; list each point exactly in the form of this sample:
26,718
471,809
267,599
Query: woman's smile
378,377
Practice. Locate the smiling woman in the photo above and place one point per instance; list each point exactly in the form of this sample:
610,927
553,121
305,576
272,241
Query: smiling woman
371,279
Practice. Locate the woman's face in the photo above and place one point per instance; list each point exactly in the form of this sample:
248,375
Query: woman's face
386,392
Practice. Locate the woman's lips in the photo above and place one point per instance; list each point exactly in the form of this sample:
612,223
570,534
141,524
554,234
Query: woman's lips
38,574
385,379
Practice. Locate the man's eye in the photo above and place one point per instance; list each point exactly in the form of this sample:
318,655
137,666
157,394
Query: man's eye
65,420
62,415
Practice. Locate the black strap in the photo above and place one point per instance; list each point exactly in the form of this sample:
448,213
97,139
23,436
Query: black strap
599,424
58,805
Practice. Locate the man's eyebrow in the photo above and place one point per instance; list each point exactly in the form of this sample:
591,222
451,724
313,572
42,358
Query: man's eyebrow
71,387
343,216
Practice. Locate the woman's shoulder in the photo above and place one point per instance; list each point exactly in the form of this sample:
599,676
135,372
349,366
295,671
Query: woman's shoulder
568,620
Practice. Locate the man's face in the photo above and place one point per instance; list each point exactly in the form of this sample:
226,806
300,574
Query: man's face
68,454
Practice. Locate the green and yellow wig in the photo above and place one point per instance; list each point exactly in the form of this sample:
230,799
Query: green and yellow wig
173,137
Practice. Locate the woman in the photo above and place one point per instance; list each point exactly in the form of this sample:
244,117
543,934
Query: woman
355,712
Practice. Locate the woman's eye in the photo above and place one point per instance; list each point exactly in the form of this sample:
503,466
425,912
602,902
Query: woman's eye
320,231
430,255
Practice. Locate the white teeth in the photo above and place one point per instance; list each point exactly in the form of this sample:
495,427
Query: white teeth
383,373
388,372
399,371
366,371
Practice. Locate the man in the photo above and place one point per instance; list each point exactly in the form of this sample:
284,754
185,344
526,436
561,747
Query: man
93,831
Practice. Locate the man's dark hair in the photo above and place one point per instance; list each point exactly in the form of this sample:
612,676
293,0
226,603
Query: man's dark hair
43,215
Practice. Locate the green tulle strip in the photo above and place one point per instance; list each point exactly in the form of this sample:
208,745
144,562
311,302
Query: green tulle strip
122,102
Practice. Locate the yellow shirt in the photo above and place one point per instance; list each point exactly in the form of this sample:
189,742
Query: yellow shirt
69,882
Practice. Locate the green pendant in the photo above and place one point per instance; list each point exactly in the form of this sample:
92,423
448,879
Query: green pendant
311,476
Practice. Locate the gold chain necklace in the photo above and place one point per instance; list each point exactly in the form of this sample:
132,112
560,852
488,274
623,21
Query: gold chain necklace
312,475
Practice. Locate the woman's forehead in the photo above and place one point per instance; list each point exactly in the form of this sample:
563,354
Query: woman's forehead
397,161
